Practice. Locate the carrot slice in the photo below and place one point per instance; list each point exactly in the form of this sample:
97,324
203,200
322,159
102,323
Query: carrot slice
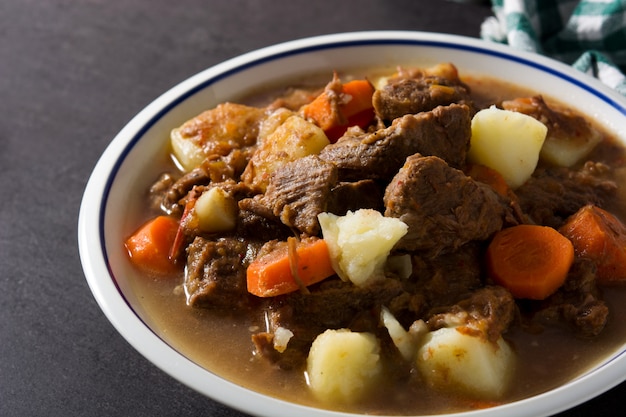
530,261
149,247
357,110
271,274
601,237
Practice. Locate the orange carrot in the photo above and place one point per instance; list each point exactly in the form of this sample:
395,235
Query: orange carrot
601,237
271,274
530,261
149,247
490,177
355,108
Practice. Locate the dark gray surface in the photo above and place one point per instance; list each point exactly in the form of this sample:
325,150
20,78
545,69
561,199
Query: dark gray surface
72,73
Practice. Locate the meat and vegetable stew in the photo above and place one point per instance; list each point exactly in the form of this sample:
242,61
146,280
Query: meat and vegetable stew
415,242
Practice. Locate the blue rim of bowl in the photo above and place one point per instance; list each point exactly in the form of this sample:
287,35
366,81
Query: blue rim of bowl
471,45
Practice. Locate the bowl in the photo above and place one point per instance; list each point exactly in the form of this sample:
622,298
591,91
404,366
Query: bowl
118,176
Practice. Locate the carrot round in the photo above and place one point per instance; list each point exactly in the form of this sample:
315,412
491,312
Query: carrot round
530,261
149,247
356,110
598,235
272,274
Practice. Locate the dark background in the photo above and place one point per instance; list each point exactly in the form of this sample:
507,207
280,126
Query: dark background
72,74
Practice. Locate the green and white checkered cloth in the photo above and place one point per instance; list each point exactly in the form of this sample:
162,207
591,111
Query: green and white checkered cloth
589,34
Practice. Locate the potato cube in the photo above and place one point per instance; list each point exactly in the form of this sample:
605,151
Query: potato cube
451,359
507,141
343,365
216,211
293,139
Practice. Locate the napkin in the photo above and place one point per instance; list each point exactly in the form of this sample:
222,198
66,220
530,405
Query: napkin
590,34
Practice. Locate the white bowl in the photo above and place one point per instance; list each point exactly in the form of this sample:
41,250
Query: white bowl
118,175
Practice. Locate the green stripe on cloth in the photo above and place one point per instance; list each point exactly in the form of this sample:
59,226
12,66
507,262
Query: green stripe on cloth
589,34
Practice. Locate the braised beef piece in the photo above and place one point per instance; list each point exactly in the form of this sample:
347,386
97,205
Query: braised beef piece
489,310
332,304
449,278
443,207
414,95
364,194
252,225
179,189
297,193
444,132
578,303
216,273
552,194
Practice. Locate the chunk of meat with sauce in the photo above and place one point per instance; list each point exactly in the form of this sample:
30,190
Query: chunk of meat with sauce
415,91
443,132
553,194
489,311
443,207
216,273
332,304
578,303
297,193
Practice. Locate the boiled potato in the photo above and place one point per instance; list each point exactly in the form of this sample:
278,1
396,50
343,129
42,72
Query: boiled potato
188,154
216,132
456,360
507,141
342,365
566,152
294,138
360,242
216,210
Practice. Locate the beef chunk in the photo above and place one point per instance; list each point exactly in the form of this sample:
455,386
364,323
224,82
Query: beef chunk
179,189
443,207
551,195
332,304
447,279
414,95
577,303
443,132
216,273
253,225
489,310
364,194
299,191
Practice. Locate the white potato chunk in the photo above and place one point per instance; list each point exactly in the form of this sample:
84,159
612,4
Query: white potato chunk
216,210
188,154
508,142
294,138
343,365
216,133
359,243
566,152
451,359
